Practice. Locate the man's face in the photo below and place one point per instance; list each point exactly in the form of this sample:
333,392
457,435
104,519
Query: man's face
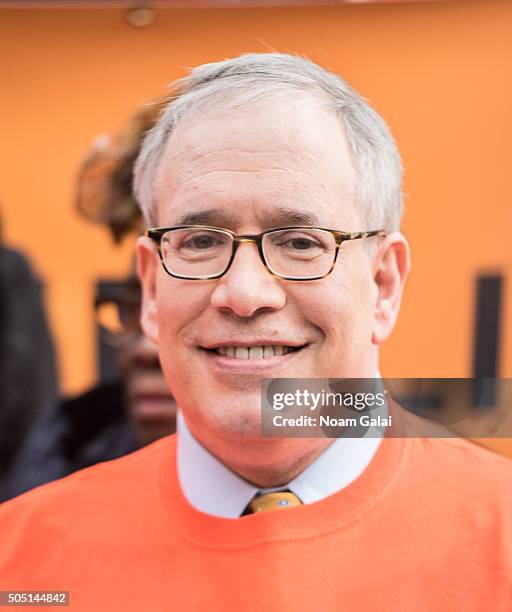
249,171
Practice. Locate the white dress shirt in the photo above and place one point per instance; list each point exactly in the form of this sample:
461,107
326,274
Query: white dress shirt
213,488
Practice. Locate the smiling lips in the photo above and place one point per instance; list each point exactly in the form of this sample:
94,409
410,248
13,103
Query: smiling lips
254,352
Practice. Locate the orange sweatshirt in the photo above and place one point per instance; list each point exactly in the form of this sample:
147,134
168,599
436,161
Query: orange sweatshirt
428,526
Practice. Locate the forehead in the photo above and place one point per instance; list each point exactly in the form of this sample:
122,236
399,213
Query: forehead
290,161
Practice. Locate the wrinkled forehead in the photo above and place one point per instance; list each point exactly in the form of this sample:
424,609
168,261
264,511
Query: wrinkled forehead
292,155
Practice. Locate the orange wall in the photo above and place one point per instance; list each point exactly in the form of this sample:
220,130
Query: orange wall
439,72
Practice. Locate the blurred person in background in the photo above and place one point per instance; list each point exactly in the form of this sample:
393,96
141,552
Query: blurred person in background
145,395
113,418
28,371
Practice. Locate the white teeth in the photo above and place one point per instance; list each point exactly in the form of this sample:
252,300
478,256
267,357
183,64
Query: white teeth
254,352
268,351
241,352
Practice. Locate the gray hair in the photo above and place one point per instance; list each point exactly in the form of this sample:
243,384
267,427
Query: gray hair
256,77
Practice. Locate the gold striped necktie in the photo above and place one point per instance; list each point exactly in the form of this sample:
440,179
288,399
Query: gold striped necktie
273,501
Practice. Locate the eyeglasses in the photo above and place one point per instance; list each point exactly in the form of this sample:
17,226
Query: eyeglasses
299,253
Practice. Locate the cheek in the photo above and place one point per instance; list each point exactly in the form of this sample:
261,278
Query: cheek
179,305
339,309
176,310
335,315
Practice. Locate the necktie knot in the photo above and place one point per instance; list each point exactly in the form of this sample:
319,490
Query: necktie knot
273,501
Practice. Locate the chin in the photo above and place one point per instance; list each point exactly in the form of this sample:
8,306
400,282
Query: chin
238,420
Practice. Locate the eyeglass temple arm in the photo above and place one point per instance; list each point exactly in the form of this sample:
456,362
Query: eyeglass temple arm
356,235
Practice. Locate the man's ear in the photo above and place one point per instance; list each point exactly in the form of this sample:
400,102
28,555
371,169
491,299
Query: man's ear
391,268
147,268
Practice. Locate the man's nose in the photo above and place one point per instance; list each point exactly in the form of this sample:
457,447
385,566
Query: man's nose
248,286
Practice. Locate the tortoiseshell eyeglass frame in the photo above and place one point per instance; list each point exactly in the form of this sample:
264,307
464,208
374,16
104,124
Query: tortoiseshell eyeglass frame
339,236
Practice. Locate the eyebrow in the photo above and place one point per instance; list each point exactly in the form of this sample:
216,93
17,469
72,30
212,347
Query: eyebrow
280,216
210,216
291,216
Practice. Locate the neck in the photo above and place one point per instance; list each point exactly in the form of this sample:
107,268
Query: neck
277,474
265,462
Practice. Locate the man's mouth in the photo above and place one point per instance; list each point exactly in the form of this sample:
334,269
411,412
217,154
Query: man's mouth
254,352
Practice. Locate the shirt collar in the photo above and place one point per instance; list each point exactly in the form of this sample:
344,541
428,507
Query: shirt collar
213,488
